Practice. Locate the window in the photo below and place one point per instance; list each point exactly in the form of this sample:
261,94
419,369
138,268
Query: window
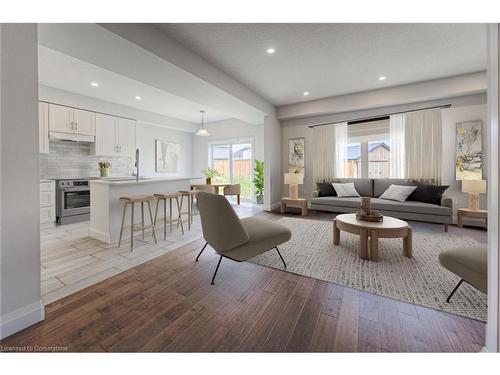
379,159
353,167
234,162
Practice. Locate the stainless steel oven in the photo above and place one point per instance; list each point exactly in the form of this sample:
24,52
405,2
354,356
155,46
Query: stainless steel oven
72,200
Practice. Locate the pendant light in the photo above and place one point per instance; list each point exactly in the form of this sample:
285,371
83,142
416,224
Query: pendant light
202,132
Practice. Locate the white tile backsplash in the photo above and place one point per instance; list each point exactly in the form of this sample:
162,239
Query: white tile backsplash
73,160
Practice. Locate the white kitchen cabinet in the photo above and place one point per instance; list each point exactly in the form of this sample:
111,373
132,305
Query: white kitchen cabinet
126,137
47,203
115,136
84,122
71,121
61,119
43,125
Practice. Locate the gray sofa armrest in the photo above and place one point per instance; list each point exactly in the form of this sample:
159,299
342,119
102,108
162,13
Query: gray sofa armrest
315,194
446,202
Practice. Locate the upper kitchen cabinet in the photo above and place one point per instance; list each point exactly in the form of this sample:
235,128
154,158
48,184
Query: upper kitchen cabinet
43,126
115,136
71,123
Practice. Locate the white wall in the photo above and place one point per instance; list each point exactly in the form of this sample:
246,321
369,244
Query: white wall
450,117
20,304
146,136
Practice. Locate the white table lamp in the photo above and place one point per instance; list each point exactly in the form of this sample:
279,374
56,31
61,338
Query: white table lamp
294,180
474,188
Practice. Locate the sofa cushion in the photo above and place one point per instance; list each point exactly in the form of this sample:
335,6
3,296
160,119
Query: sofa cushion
364,186
345,190
325,189
410,206
398,193
428,193
385,205
336,201
380,185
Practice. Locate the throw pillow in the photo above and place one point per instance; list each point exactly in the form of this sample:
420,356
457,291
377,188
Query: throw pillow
325,189
345,190
398,193
428,193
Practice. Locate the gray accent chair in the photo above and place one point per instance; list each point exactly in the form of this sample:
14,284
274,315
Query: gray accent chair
374,187
234,238
470,263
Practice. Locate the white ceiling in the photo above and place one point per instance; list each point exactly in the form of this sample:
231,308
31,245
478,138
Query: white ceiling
334,59
56,69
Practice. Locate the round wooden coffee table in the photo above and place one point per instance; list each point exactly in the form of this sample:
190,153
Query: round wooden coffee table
389,228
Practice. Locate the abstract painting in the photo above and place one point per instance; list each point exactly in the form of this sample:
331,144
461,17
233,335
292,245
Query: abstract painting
469,159
296,155
167,156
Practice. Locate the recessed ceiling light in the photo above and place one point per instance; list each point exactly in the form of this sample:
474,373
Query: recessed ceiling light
271,50
382,78
138,97
306,93
94,84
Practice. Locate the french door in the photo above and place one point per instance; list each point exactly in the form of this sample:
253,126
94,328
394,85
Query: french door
234,162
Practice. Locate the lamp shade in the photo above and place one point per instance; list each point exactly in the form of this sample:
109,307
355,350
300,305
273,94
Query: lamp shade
294,178
474,186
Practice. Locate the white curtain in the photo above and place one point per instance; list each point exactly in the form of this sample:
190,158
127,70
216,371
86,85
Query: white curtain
397,137
341,142
423,145
324,153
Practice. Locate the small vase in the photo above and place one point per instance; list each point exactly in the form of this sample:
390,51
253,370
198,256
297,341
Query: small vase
209,181
104,172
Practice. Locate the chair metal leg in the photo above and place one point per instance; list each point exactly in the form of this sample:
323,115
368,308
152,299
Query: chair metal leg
152,222
215,273
280,256
123,222
454,290
206,243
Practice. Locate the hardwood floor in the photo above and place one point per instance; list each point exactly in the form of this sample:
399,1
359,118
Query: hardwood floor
168,304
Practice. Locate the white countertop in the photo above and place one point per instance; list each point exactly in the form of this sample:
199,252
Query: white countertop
131,180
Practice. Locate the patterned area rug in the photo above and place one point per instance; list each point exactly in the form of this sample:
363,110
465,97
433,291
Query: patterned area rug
420,280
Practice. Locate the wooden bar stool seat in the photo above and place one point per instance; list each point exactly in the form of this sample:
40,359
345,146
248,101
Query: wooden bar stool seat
142,227
190,195
170,197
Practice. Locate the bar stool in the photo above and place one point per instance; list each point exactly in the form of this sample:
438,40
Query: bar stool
190,195
164,198
132,201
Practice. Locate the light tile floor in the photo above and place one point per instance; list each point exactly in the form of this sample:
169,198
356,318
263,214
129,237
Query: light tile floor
71,260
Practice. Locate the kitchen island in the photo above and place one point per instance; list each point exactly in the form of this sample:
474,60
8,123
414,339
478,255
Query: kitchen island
106,210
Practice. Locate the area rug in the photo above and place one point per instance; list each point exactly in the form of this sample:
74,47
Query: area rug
420,280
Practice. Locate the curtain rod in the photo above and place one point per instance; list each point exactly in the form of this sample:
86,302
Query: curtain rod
382,115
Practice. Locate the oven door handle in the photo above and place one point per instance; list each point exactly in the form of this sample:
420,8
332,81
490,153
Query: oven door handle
69,190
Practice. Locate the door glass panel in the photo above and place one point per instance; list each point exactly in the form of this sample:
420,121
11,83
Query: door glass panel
221,162
242,168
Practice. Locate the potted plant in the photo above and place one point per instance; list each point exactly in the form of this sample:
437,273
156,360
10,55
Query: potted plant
258,180
210,173
104,168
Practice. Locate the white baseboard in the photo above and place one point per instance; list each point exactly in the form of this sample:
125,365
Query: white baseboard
98,235
20,319
275,206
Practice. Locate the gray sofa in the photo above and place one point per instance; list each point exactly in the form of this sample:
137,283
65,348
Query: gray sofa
369,187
